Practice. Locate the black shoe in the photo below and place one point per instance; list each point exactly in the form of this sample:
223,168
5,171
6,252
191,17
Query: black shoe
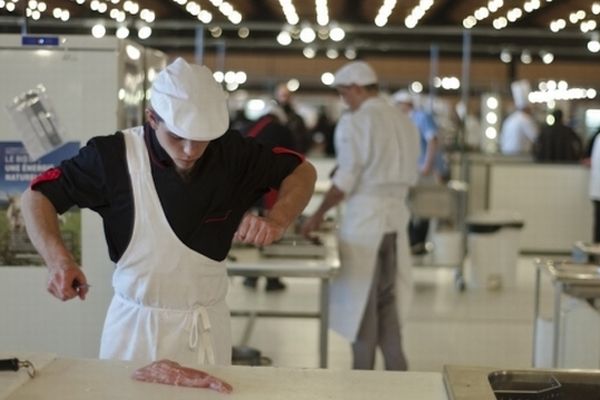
274,284
418,249
250,282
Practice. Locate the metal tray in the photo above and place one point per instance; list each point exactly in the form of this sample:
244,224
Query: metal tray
524,385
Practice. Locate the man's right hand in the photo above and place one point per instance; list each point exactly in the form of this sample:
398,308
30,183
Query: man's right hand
67,281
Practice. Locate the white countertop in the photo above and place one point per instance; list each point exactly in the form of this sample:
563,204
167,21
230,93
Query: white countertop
77,379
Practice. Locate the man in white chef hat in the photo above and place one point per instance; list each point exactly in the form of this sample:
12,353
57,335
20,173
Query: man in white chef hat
172,194
519,130
376,152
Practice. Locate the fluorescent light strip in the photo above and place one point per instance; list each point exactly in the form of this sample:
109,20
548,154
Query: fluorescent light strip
195,10
386,9
228,11
322,12
417,13
482,13
289,11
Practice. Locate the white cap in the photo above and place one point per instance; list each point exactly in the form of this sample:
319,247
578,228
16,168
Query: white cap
520,92
402,96
355,73
189,100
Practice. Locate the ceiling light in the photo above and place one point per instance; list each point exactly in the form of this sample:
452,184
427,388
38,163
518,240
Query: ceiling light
491,132
594,43
243,32
327,78
241,77
122,32
309,52
492,103
505,56
307,34
216,31
526,57
98,31
289,11
416,87
381,19
284,38
337,34
293,85
350,53
205,16
322,12
332,54
133,52
547,58
144,32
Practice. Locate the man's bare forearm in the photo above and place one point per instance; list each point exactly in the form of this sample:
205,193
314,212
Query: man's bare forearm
294,194
41,221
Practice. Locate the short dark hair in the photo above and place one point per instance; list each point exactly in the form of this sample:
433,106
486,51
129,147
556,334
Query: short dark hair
155,114
558,115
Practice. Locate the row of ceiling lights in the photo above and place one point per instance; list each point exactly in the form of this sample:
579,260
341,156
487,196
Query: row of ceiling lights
306,33
289,11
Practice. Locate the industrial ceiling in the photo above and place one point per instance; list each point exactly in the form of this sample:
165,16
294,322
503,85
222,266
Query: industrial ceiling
563,28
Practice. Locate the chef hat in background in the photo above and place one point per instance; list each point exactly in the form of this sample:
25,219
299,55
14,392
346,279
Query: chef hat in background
355,73
520,92
403,96
189,100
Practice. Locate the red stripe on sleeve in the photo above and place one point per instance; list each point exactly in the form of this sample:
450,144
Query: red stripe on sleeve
283,150
51,174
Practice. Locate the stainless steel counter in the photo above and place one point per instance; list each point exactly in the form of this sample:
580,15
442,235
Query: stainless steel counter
487,383
577,280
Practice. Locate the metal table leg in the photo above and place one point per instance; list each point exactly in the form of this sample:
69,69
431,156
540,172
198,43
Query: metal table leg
536,312
324,322
558,289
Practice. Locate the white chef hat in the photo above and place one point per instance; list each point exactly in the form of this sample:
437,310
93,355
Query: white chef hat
403,96
520,91
355,73
190,102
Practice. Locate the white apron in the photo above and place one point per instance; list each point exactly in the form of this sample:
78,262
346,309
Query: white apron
362,228
169,300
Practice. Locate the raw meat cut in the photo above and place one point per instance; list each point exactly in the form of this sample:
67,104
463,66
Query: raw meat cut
171,373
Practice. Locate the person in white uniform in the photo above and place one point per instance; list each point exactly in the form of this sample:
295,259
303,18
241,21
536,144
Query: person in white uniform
519,132
594,188
172,194
377,151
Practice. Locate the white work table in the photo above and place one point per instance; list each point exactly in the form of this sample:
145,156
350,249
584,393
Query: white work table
77,379
245,261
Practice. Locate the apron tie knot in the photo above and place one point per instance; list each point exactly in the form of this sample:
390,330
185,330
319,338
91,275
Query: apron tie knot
206,352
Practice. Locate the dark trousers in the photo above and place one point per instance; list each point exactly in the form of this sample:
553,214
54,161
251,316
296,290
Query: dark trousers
417,230
380,324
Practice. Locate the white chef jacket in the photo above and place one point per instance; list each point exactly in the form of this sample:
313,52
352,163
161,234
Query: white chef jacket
595,172
519,131
368,143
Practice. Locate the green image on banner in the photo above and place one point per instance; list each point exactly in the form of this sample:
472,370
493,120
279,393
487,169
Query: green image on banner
18,170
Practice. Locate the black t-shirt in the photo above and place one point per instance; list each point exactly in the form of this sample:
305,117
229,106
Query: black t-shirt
204,210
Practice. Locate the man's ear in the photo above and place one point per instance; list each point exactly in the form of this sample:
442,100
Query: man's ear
151,118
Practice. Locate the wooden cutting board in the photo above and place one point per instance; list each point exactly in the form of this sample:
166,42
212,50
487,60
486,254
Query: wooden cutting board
78,379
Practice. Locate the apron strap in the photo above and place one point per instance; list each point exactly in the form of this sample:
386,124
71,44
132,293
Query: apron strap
206,352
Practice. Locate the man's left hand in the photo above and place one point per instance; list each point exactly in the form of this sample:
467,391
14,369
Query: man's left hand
259,231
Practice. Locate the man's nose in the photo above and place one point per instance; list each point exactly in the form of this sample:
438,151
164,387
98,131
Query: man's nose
188,147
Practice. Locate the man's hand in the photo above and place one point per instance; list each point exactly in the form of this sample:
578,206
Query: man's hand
66,282
311,224
259,231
